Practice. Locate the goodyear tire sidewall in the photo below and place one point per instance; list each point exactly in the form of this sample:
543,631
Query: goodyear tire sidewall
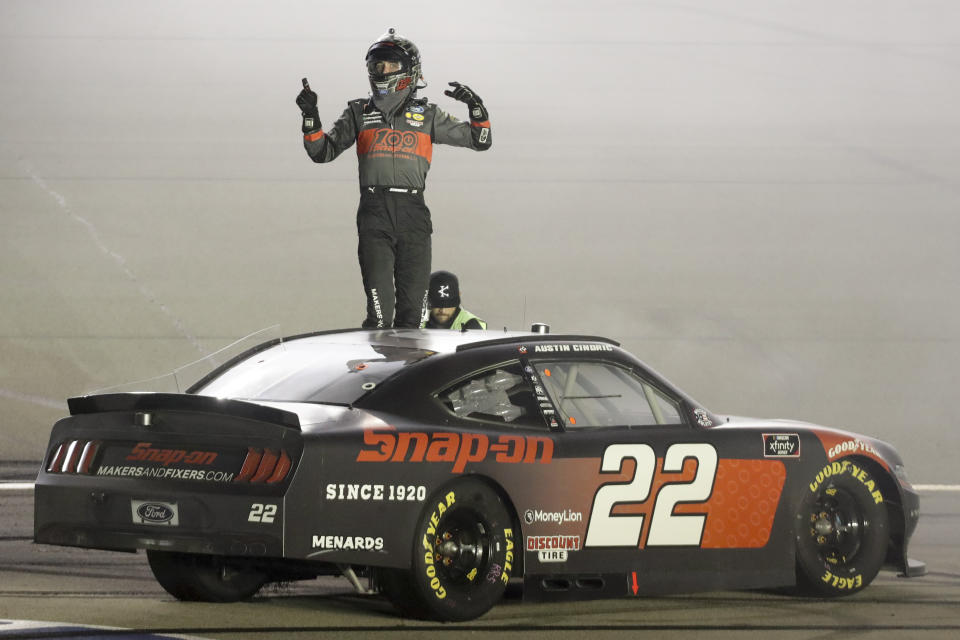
855,574
449,599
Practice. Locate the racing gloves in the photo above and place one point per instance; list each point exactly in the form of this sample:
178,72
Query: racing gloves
465,94
307,101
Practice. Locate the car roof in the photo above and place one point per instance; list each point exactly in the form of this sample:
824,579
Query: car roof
437,340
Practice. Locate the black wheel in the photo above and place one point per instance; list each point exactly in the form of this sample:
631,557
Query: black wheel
188,576
463,555
841,531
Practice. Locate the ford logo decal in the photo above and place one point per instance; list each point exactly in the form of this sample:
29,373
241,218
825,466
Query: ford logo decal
155,512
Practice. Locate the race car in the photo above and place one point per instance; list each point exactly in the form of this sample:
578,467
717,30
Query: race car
442,465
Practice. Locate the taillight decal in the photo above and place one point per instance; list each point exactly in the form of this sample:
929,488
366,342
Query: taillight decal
269,466
250,465
281,470
267,463
86,457
72,457
57,458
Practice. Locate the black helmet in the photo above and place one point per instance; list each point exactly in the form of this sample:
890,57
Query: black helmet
386,78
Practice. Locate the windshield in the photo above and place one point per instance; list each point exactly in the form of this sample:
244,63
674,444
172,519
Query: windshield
311,370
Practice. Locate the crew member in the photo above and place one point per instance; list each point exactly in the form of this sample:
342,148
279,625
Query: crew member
395,132
445,309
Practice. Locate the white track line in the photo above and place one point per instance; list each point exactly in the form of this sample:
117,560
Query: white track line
118,260
16,486
50,403
937,487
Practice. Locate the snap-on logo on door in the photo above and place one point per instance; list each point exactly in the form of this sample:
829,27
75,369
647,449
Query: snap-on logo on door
460,449
158,513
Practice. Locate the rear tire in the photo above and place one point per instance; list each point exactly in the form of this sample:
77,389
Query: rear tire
205,578
463,555
842,531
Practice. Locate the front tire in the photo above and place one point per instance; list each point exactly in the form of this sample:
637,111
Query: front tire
463,555
204,578
842,531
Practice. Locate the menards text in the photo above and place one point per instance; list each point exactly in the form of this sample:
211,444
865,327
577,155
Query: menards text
458,448
165,472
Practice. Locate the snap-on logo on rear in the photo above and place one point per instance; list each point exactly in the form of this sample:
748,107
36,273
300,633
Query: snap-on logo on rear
144,452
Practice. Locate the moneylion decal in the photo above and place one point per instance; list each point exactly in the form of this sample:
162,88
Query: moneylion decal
531,516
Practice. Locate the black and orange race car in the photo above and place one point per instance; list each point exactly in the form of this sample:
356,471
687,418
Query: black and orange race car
441,465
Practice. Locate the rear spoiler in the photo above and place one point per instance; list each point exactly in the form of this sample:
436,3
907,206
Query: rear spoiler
142,402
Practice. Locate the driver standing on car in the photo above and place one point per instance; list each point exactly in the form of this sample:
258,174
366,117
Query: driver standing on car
395,132
445,309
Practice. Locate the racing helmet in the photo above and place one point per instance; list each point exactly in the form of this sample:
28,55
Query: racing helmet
393,64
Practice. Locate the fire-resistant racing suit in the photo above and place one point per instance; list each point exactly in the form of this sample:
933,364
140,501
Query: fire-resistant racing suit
393,222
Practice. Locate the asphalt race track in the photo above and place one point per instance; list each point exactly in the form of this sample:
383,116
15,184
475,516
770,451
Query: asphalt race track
117,590
759,199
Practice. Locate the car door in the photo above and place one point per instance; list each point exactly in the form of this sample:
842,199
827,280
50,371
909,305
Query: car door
664,502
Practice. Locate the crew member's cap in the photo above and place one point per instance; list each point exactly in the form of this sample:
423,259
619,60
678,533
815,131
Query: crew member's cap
444,290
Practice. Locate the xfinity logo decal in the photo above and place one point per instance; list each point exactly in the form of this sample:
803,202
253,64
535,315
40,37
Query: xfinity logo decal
781,445
532,516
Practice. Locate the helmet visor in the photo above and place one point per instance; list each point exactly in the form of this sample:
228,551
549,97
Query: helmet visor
382,63
383,67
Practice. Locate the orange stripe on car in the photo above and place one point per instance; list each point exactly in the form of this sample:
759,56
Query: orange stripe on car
740,511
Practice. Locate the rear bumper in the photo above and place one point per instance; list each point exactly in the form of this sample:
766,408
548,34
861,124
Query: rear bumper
98,518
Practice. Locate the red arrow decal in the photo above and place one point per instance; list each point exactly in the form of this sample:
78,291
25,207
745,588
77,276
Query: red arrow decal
636,587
